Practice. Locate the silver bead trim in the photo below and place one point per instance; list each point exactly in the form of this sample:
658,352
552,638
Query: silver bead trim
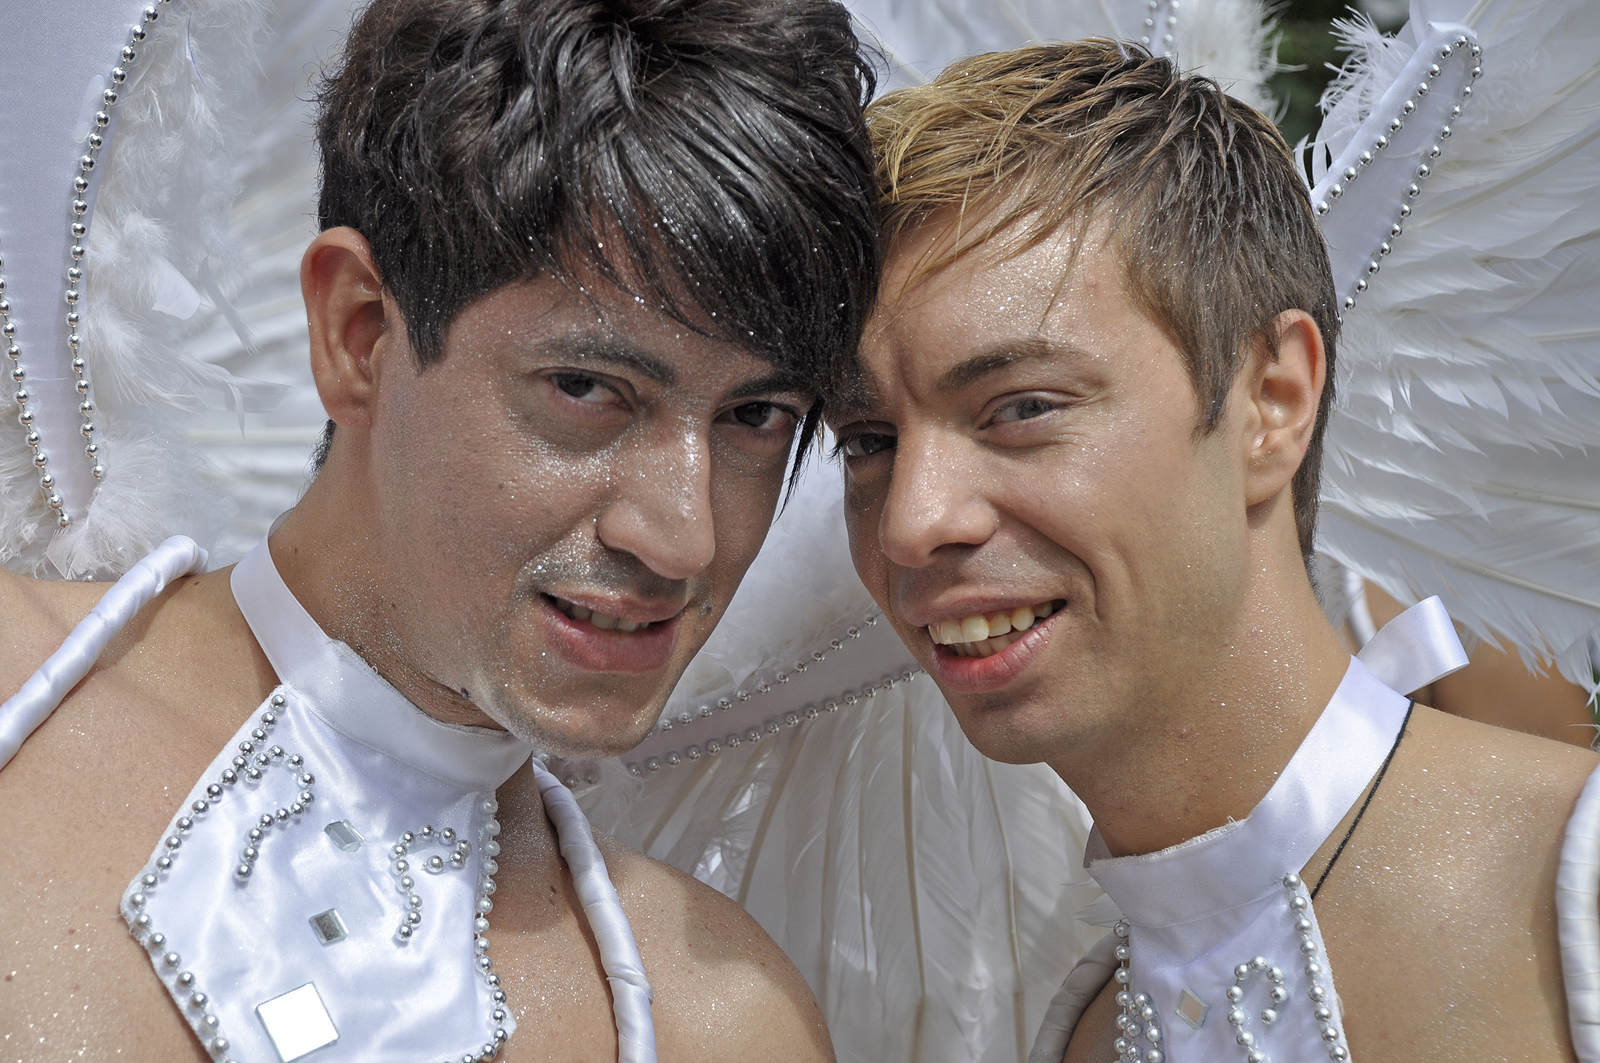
1158,30
192,997
1462,50
772,726
1139,1036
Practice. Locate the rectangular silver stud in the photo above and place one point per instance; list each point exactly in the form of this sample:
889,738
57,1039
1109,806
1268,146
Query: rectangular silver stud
328,926
344,835
297,1022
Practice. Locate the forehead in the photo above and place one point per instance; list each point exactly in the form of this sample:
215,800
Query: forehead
1065,295
591,321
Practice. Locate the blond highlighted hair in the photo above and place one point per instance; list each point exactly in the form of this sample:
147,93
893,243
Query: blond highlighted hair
1197,191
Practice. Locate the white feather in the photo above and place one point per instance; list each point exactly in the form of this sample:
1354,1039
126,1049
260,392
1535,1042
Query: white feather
1458,458
159,233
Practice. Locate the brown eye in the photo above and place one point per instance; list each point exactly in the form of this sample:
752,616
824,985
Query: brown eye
866,444
762,417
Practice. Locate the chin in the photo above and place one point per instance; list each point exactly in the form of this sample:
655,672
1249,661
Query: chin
577,732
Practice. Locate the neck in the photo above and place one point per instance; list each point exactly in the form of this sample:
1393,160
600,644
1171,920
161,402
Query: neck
325,552
1214,733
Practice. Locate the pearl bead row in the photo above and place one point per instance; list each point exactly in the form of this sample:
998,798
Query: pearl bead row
770,727
460,850
1316,974
1464,50
1138,1019
1165,25
141,924
1278,995
78,229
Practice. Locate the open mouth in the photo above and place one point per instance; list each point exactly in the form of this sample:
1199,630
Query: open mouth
603,621
983,635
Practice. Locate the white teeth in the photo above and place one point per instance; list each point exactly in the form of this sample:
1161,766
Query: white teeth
603,621
980,636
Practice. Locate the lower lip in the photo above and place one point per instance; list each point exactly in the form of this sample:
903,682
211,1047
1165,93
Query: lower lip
585,646
983,675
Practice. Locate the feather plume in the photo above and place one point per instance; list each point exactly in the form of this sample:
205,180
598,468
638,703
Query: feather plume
1228,40
158,239
1459,453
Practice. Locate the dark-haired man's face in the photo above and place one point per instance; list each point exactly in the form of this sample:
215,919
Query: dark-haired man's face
569,499
1028,499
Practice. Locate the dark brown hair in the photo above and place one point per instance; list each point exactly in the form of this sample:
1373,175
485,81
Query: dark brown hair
1199,192
708,154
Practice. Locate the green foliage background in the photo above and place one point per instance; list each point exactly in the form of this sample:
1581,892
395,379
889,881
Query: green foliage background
1306,45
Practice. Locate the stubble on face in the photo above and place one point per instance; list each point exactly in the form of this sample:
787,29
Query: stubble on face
1044,451
567,455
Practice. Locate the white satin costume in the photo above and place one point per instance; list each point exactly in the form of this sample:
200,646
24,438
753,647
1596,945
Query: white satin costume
326,886
1218,949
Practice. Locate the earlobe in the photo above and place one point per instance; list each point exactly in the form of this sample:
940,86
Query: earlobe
1286,392
346,311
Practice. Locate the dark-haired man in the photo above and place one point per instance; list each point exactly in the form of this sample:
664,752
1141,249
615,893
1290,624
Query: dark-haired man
1094,391
583,272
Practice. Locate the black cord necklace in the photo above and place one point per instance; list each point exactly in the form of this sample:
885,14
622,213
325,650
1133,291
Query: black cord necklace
1370,793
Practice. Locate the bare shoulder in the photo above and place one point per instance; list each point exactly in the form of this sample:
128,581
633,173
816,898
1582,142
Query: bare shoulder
36,615
1483,759
723,988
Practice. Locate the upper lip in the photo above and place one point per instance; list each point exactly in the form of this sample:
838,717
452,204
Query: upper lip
960,608
634,610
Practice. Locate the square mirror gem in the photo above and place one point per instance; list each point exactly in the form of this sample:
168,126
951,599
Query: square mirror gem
297,1022
1191,1009
328,926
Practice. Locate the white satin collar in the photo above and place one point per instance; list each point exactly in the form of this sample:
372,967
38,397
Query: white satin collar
369,710
1245,860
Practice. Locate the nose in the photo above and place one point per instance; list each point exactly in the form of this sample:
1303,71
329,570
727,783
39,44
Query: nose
660,510
935,499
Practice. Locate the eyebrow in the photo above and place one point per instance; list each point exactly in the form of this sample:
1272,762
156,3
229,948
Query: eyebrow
999,356
612,352
769,384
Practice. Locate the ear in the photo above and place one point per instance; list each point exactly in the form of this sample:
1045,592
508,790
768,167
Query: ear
1285,392
348,317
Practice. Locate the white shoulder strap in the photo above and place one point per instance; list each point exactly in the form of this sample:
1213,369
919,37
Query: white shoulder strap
43,691
1578,920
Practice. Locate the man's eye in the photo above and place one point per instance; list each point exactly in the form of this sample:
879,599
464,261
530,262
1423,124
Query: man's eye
1024,409
865,444
583,388
763,416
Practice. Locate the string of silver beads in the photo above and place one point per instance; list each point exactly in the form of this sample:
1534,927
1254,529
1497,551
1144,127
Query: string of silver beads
78,229
1316,974
1158,25
1458,48
402,853
712,747
154,940
250,763
1277,996
1138,1026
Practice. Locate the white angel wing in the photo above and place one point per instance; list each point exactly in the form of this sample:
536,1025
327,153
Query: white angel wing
1458,456
157,250
258,462
1223,39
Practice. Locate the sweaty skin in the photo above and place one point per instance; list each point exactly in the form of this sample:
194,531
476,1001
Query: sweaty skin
591,449
1033,440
